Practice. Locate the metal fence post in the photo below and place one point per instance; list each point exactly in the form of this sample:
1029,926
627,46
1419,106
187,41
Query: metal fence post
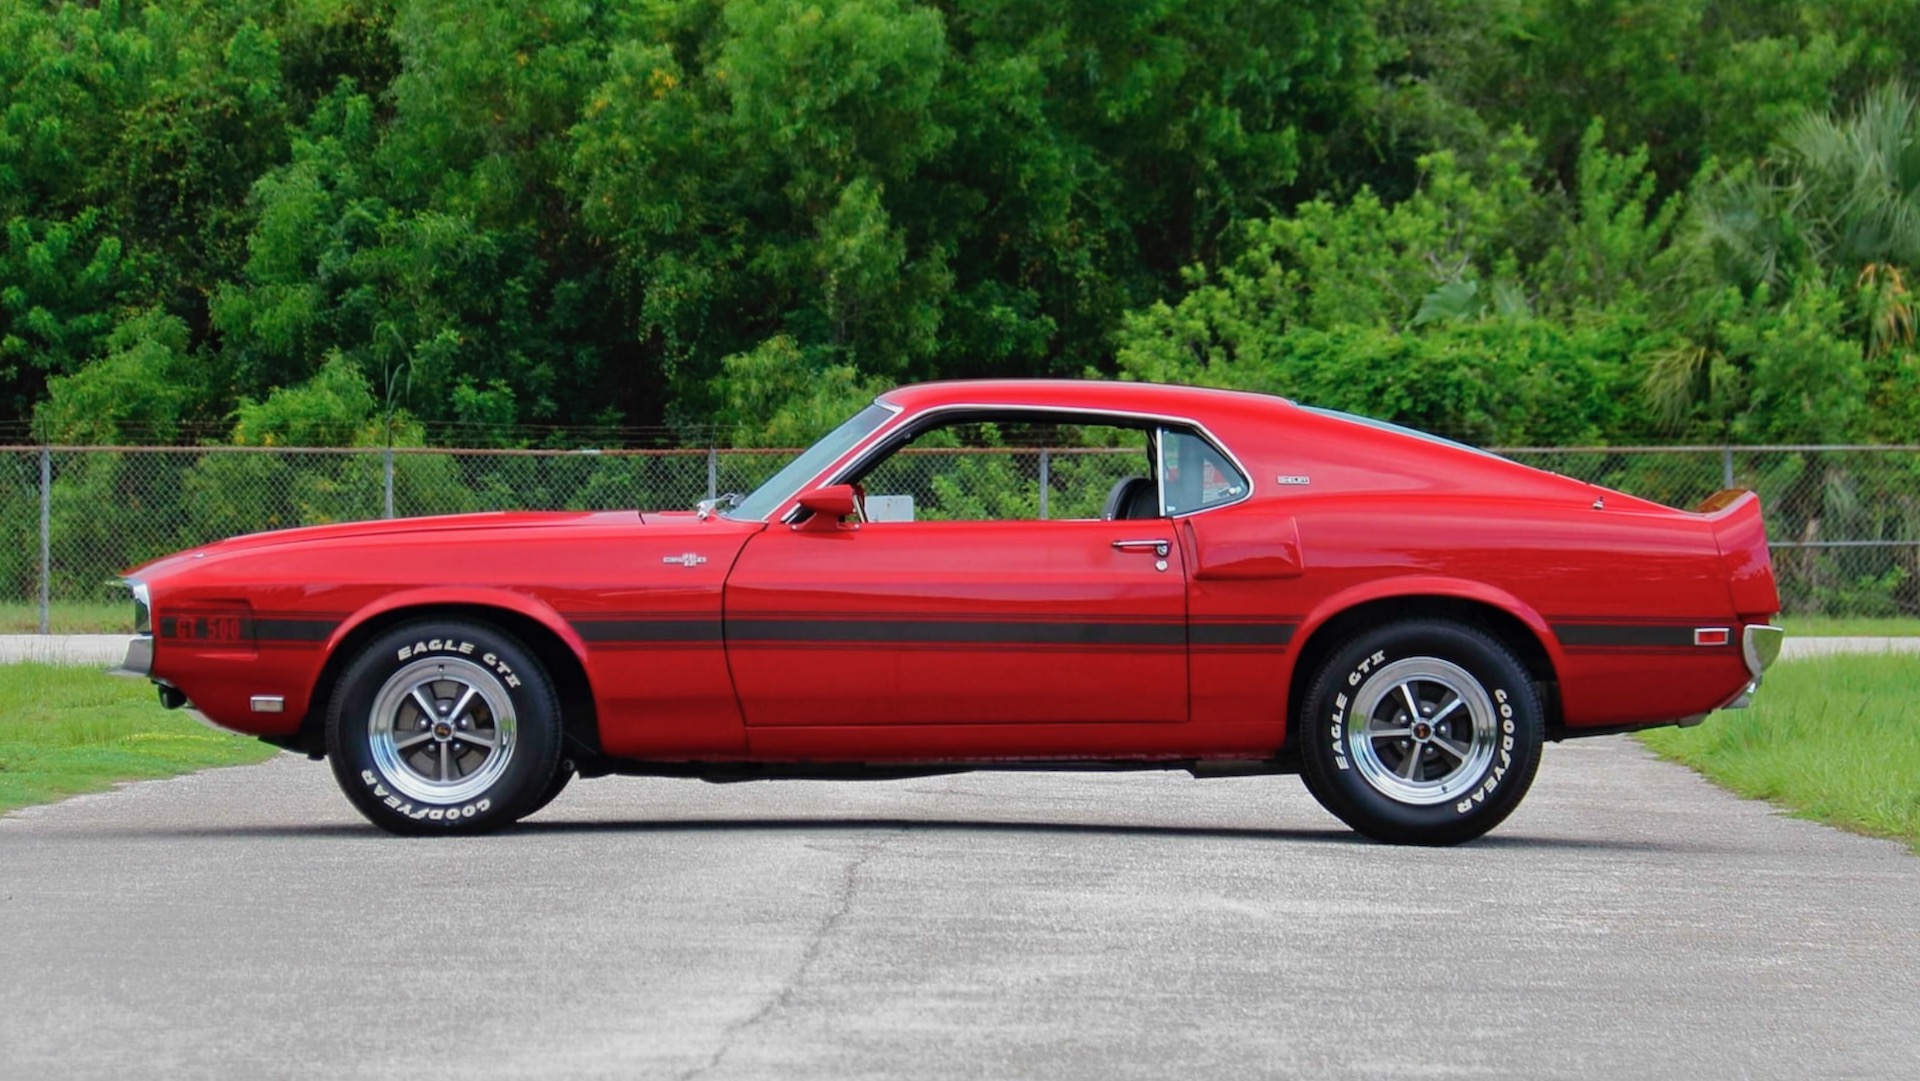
713,473
389,480
1046,479
46,537
1726,467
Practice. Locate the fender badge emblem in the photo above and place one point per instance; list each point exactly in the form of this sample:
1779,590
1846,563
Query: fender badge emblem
685,559
1293,480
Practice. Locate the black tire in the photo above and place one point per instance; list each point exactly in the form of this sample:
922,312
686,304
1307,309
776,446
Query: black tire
1446,776
563,775
485,755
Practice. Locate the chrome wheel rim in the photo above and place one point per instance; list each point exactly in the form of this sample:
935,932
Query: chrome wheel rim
441,730
1423,731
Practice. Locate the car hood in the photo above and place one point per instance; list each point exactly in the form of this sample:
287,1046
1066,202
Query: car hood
670,522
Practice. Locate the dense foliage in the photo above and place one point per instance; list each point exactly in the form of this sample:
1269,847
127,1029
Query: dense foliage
1516,221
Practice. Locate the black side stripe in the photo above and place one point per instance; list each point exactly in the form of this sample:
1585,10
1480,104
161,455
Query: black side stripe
609,631
903,632
293,630
1205,635
751,631
1629,635
925,633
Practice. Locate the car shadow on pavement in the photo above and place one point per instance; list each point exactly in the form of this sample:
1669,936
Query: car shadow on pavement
557,826
1332,834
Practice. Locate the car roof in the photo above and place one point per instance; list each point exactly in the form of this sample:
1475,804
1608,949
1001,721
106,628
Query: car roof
1094,394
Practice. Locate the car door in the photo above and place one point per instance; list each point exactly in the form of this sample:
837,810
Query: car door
961,625
1007,588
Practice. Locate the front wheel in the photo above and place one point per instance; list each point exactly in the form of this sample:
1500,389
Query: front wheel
1421,732
444,726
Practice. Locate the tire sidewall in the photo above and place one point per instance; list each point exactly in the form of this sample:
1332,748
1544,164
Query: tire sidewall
518,677
1486,799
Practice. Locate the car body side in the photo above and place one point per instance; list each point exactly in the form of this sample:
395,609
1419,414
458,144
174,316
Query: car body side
1345,526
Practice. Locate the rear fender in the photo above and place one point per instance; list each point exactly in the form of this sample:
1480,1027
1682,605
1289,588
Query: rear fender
1741,532
1412,586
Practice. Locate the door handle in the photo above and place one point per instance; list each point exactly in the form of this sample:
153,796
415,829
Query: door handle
1157,547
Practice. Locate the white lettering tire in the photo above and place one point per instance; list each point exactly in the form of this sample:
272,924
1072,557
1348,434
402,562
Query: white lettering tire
1422,732
444,726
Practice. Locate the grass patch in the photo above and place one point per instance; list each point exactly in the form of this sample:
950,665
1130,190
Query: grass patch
1849,626
68,618
64,731
1835,739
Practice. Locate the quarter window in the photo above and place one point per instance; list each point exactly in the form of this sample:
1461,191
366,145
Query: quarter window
1194,475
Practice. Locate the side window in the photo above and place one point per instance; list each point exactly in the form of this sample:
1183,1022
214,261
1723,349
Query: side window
1007,469
1194,475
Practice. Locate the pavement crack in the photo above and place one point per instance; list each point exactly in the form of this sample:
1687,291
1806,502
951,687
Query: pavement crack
816,944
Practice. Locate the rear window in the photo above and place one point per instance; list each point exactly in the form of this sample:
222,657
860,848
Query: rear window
1398,429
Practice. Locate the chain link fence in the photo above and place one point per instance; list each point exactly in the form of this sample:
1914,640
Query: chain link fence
1844,521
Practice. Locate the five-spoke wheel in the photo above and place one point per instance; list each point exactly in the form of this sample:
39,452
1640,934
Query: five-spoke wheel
1421,732
442,729
444,726
1423,728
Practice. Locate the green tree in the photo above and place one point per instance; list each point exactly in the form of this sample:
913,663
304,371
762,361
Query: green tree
129,138
1689,79
1815,247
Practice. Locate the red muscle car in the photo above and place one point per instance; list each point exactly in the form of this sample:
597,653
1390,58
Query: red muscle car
1219,582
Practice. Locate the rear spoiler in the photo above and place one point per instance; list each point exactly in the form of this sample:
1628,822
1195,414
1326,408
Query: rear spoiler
1734,516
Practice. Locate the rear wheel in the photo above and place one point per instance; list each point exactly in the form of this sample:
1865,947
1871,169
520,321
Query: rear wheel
444,726
1421,732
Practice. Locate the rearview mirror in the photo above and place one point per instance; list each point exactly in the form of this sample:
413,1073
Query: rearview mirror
828,504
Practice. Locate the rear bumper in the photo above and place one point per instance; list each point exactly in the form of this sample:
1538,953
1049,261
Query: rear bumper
1760,645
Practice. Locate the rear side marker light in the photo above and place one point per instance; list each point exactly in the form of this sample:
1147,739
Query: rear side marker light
1712,636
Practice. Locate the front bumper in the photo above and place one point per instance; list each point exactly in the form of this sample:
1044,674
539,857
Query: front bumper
139,660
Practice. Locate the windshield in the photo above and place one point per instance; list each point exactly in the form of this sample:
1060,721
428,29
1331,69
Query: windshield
768,497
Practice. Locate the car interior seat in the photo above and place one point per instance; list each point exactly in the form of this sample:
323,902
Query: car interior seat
1131,497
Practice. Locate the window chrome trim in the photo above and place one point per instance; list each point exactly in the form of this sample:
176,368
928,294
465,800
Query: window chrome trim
865,451
1157,447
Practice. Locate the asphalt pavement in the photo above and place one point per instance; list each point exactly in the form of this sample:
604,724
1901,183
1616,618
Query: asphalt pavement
1630,921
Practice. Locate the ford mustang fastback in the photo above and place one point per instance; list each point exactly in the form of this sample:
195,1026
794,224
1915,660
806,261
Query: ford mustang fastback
992,575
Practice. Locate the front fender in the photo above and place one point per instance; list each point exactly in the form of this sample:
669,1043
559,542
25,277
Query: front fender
464,596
